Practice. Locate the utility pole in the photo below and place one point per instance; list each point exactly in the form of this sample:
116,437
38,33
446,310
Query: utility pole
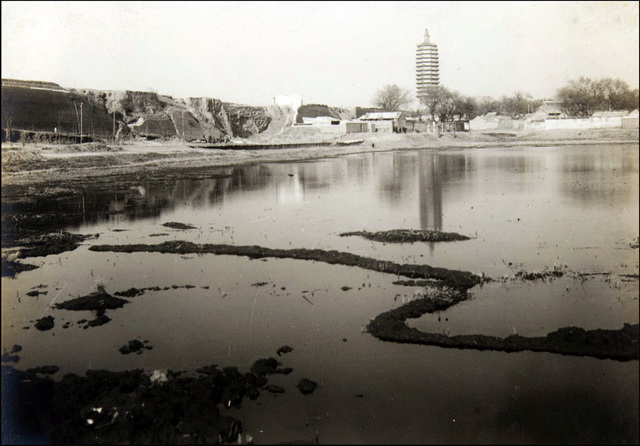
114,125
80,122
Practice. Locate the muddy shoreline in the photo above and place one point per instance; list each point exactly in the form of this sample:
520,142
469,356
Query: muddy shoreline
154,160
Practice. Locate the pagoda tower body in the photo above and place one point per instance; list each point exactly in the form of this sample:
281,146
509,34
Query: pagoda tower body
427,66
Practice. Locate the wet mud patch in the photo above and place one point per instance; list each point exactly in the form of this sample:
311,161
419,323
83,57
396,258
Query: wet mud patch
391,326
408,236
46,244
176,225
10,267
454,278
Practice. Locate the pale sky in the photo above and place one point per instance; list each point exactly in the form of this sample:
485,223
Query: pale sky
334,53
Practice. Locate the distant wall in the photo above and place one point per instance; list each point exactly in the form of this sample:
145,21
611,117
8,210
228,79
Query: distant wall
630,122
319,129
585,123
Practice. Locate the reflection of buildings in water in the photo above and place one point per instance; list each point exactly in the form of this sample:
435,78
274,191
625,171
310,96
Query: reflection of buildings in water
290,190
430,191
396,173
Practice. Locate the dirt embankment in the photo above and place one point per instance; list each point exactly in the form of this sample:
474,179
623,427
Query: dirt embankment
35,113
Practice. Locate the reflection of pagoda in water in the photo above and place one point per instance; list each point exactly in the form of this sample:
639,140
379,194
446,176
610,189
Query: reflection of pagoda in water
430,191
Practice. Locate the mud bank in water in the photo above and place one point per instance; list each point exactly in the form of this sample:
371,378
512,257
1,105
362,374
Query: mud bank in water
458,279
408,236
390,326
37,245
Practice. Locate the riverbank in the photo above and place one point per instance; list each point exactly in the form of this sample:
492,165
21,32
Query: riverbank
39,164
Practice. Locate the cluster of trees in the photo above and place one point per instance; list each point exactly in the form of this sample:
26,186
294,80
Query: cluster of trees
447,105
581,97
584,96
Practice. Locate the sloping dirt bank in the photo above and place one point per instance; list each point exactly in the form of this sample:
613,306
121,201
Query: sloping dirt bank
457,279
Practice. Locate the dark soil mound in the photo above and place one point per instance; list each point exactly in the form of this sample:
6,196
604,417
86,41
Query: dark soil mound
408,236
45,323
97,301
46,244
176,225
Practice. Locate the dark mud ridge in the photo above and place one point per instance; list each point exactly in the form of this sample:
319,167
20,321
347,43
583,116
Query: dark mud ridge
620,344
10,268
132,407
458,279
177,225
46,244
408,236
37,246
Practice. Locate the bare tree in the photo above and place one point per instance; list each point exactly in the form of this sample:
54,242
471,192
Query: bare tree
583,96
435,101
392,98
8,124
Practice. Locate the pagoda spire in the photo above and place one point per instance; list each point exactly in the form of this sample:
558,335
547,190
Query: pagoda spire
426,36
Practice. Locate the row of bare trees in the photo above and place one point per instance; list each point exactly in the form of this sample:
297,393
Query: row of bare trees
447,105
581,97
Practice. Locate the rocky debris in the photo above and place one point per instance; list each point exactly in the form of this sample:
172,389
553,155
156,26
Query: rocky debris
245,120
44,370
99,300
176,225
116,408
306,386
459,279
408,236
134,346
45,323
284,349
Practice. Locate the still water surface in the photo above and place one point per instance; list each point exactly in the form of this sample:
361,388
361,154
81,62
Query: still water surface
526,208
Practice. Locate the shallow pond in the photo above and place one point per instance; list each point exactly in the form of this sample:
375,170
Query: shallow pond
531,209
